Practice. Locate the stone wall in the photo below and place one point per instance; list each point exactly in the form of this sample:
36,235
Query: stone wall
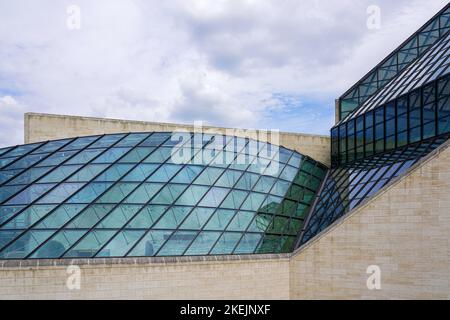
405,230
237,277
42,127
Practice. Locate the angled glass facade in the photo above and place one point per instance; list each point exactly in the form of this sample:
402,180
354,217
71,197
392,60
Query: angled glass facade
347,187
389,127
128,195
413,107
395,63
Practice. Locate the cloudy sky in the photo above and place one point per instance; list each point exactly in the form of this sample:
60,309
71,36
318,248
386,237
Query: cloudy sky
239,63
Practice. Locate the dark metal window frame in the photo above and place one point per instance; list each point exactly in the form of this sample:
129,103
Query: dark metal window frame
400,66
341,153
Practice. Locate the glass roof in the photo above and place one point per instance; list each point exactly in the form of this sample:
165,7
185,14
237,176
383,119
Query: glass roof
413,48
146,194
433,64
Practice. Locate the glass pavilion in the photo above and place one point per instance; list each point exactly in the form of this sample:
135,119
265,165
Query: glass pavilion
122,195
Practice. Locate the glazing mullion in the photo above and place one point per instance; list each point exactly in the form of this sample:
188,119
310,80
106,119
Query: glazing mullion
116,205
334,189
379,179
377,167
324,199
44,194
231,189
23,170
85,184
342,180
196,206
414,76
236,210
205,166
4,151
399,86
374,184
417,76
419,61
388,175
39,144
346,180
427,69
312,208
47,192
344,197
256,213
33,183
415,37
173,231
275,215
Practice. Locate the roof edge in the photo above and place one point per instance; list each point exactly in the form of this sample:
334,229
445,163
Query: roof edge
7,264
63,116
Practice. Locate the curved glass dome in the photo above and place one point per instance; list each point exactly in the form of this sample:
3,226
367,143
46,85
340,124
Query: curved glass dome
152,194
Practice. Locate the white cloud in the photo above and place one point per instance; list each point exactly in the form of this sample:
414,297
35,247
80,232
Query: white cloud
11,121
223,62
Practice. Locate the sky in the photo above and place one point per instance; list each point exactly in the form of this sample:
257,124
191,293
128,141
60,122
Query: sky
265,64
